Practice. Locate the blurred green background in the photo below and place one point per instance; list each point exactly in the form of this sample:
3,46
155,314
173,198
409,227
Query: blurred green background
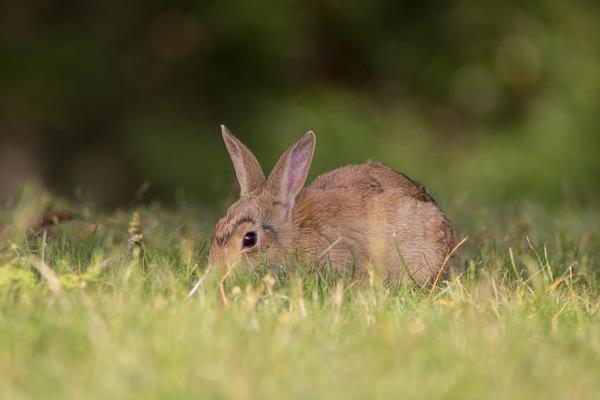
478,100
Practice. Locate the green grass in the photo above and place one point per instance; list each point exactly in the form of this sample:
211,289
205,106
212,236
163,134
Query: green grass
112,319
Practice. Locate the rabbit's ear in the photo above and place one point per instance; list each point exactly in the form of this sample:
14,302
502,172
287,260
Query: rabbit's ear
289,174
247,169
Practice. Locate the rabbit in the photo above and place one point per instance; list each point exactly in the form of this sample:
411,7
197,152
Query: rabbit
353,218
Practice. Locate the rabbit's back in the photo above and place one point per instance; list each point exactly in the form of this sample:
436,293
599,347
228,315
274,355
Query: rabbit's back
370,214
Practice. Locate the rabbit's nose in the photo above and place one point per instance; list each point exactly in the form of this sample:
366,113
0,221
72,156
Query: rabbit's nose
222,257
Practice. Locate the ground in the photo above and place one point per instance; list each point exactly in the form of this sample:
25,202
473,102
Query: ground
97,306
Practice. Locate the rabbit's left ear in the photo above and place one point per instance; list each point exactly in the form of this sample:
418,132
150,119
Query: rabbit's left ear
289,174
247,169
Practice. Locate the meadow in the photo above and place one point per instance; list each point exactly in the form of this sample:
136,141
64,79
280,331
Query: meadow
97,306
115,110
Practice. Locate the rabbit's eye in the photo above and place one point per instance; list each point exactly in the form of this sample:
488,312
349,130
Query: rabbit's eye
249,239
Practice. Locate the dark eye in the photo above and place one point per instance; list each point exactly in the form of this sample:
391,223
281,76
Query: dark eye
249,239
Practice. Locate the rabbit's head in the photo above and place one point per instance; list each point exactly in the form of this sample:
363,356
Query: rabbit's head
259,225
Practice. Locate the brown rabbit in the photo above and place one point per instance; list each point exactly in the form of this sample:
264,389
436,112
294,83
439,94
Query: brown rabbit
358,216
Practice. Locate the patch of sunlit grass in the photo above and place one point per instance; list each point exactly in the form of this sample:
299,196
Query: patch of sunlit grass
98,307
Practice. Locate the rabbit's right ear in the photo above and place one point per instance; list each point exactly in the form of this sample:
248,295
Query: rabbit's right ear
247,169
289,174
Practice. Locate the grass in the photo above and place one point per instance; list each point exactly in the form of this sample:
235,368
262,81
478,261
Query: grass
97,307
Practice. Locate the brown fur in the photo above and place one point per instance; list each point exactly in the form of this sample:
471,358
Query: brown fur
357,216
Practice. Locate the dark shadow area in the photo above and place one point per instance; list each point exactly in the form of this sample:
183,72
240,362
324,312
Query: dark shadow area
120,102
